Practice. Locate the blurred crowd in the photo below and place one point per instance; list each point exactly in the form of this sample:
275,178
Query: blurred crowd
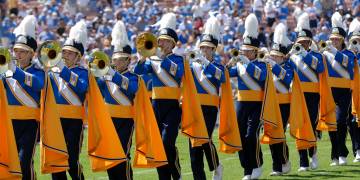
55,17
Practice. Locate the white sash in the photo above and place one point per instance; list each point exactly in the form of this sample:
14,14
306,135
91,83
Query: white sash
202,79
247,79
336,65
117,94
70,96
163,75
304,68
21,95
280,87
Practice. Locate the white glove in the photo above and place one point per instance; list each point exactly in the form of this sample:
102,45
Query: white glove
270,61
111,71
243,59
61,65
204,60
331,49
12,66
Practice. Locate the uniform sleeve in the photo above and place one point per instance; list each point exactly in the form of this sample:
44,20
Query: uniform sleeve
79,82
286,75
35,81
346,59
129,85
257,72
233,71
143,68
314,61
215,72
176,69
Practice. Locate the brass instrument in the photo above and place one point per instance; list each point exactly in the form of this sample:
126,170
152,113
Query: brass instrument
322,45
99,64
50,53
191,55
146,44
234,57
234,52
353,42
5,59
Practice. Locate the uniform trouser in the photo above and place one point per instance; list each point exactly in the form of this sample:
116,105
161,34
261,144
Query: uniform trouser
124,128
312,103
248,116
354,132
280,151
72,129
168,116
25,132
197,153
342,98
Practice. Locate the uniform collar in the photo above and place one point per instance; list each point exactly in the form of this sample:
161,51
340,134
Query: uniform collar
124,72
27,67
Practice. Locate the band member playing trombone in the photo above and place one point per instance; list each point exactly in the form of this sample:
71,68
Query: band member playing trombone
353,122
340,64
62,124
126,99
309,65
209,78
23,84
251,75
171,78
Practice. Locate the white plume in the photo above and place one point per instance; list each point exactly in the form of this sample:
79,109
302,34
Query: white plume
337,20
119,36
251,26
168,20
280,35
303,22
212,26
78,33
354,26
26,27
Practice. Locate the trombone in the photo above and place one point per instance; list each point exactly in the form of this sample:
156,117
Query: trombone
50,53
5,59
99,63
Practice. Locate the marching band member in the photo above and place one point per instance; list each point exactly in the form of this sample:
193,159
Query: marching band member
340,64
309,65
23,84
170,72
251,75
210,78
63,114
353,122
126,99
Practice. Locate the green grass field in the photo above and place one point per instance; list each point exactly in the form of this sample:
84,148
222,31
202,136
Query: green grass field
232,168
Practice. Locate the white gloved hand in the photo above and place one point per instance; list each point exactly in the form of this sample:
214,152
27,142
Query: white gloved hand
111,71
243,59
270,61
204,60
61,65
331,49
12,66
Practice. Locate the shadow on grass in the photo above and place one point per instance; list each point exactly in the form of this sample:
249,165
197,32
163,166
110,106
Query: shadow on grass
320,174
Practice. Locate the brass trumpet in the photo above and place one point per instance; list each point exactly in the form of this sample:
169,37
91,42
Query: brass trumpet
5,59
146,44
191,55
99,63
234,52
50,53
322,45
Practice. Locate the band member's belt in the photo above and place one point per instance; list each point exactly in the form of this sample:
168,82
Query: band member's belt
23,112
209,100
70,111
166,93
339,82
310,87
250,95
120,111
283,98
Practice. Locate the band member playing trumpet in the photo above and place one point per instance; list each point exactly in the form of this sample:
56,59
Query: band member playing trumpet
353,122
340,64
126,99
309,65
23,83
171,78
251,75
209,77
62,124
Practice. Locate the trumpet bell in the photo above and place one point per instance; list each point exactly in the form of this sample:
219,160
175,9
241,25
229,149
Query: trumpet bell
322,45
5,58
50,53
234,52
146,44
100,63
